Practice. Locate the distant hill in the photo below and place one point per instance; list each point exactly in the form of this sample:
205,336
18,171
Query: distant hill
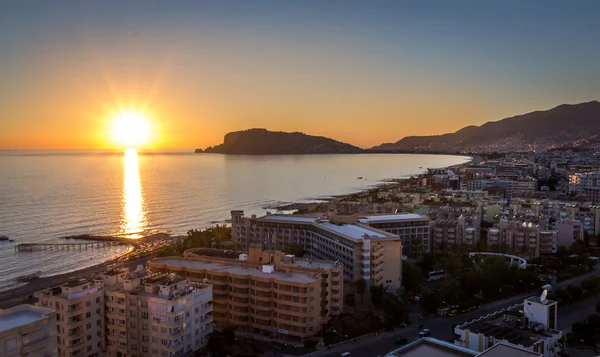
540,130
264,142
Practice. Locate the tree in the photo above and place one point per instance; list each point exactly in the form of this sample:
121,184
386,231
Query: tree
598,307
216,346
361,286
295,249
229,335
377,295
412,277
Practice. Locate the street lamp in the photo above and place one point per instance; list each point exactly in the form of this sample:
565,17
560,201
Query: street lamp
337,333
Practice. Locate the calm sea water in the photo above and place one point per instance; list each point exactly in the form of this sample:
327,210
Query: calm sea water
48,195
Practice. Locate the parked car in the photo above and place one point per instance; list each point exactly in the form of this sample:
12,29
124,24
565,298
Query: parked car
425,332
345,354
401,340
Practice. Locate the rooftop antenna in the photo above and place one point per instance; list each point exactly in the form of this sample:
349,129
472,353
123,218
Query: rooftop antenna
544,297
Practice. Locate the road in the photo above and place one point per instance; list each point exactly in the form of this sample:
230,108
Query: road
441,327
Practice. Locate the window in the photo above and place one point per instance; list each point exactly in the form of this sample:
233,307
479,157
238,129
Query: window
98,300
99,322
155,328
88,303
88,314
154,340
98,311
89,326
89,337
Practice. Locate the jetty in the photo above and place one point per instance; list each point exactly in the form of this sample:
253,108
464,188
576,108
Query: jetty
28,247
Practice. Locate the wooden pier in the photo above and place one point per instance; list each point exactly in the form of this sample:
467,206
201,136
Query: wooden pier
28,247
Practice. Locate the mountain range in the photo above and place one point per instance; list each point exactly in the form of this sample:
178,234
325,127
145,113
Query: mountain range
539,130
565,126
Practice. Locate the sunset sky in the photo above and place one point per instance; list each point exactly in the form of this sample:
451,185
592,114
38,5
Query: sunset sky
363,72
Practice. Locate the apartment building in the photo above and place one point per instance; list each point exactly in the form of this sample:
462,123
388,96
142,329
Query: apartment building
28,331
413,229
569,232
579,181
265,292
522,238
448,232
157,315
80,319
364,245
592,194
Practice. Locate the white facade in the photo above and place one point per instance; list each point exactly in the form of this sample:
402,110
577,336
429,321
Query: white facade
28,331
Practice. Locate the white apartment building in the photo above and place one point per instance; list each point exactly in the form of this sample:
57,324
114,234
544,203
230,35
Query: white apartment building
368,253
569,232
448,232
158,315
531,326
27,331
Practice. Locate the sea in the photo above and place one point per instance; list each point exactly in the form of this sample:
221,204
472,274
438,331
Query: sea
47,195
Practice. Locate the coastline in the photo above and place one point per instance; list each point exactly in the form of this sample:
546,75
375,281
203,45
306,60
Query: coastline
390,182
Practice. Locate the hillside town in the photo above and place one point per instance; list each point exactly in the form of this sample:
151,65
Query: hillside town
471,260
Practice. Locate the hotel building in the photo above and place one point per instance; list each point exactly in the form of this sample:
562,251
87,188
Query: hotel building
265,292
369,247
157,315
27,331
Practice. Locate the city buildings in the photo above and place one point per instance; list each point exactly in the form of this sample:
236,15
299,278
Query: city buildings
578,182
157,315
530,326
265,292
28,331
369,247
592,194
522,238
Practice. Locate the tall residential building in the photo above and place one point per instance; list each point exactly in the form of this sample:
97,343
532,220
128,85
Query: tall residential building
27,331
593,194
522,238
80,320
364,245
157,315
569,232
265,292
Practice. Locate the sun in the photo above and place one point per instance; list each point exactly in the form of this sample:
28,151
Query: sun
130,129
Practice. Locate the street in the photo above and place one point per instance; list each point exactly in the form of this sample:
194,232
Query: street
441,327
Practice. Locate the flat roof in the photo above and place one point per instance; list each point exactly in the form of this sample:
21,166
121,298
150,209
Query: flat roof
503,350
19,318
235,269
288,218
426,347
353,231
392,217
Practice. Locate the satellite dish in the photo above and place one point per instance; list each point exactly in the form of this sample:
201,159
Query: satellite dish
544,297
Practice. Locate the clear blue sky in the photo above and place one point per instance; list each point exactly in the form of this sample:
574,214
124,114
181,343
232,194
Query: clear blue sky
364,72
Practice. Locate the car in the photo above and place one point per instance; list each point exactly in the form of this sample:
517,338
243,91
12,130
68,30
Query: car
425,332
345,354
452,313
401,340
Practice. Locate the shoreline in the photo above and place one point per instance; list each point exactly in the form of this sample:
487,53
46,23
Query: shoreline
297,206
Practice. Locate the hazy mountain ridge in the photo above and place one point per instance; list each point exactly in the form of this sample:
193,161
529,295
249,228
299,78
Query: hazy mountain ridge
539,130
265,142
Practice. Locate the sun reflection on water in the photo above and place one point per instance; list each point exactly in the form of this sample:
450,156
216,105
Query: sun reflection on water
133,221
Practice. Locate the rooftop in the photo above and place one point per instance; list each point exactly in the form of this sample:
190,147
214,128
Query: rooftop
213,252
354,231
503,350
426,347
391,218
21,315
235,269
288,218
504,328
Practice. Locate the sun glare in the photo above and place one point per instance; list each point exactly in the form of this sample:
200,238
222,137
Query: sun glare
130,129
